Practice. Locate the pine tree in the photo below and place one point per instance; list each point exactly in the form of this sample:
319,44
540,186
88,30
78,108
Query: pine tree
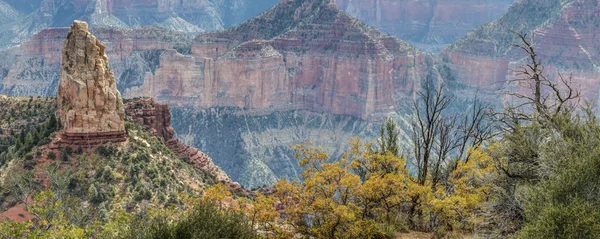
64,155
388,138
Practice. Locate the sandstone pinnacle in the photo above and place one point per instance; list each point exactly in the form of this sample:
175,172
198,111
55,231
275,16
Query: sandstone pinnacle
88,100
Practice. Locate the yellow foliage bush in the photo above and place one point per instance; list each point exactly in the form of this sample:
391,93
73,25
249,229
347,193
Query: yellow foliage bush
365,193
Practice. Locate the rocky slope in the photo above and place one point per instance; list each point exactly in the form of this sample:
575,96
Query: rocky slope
565,36
158,116
21,19
255,149
428,24
142,172
299,55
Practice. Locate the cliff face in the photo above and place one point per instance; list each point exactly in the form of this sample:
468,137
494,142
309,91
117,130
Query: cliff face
305,62
566,39
21,19
254,149
32,68
298,55
429,24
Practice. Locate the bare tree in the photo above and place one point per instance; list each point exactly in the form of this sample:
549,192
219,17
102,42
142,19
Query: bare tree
429,119
546,99
437,138
475,128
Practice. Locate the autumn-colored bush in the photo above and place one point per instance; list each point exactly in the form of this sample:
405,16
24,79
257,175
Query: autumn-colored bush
367,193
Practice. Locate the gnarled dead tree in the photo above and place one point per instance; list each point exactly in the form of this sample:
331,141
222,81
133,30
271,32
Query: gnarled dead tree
545,100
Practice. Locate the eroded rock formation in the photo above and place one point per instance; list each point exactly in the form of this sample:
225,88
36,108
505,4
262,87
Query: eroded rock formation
90,106
298,55
430,24
21,19
158,116
565,35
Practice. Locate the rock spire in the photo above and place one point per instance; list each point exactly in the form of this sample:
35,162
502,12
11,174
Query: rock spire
90,106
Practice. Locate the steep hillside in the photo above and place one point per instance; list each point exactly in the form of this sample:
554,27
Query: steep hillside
95,182
21,19
255,149
565,34
427,24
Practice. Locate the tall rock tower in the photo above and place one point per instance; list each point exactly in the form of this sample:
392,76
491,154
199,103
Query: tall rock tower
90,106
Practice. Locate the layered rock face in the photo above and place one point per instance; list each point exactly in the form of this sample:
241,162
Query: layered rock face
255,149
33,67
305,61
298,55
90,106
429,24
158,116
566,38
21,19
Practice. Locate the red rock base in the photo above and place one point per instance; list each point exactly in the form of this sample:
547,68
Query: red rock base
87,140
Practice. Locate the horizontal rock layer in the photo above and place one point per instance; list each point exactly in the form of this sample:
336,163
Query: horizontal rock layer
428,23
565,35
21,19
317,58
158,116
86,140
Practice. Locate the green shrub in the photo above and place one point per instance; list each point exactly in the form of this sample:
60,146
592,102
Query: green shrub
204,221
52,156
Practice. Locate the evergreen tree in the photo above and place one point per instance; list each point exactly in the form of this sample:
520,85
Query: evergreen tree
64,155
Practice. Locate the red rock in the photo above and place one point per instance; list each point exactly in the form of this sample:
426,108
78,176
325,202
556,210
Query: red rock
318,59
158,116
567,40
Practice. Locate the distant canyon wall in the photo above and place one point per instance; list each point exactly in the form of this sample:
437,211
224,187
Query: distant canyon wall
566,36
357,86
20,19
429,24
32,68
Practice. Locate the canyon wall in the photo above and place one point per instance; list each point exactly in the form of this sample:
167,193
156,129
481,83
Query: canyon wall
21,19
32,68
565,35
428,24
302,61
317,59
